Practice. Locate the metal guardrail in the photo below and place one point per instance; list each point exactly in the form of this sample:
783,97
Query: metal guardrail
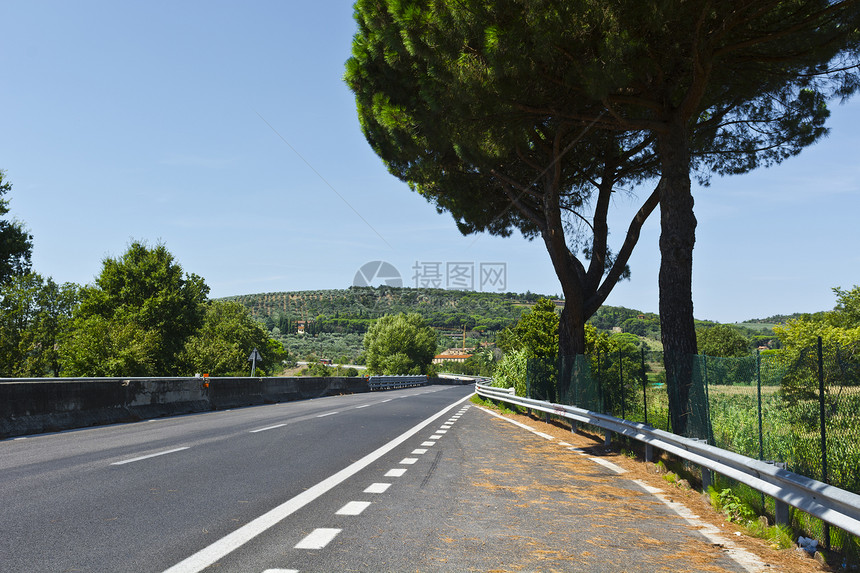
392,382
826,502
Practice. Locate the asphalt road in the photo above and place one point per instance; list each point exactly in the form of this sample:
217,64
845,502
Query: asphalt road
90,500
407,480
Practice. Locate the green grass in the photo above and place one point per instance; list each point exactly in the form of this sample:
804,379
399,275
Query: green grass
490,404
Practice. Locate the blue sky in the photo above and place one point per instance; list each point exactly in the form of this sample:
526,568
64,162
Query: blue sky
225,131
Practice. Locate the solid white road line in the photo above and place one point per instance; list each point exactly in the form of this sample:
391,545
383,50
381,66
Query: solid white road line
318,538
377,488
268,428
749,561
353,508
609,465
226,545
147,457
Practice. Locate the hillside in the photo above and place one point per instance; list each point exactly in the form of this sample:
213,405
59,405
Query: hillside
353,309
332,323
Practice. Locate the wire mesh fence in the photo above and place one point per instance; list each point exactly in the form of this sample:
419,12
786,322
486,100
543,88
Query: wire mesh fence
798,409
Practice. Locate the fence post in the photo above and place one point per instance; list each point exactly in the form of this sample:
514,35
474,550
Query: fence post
710,428
621,382
644,388
821,409
760,432
600,386
528,385
758,385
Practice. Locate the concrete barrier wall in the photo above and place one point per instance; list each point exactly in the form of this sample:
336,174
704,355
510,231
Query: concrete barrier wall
50,405
33,406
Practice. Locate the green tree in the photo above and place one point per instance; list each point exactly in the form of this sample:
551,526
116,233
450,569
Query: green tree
511,371
838,327
399,344
136,318
846,313
16,244
444,104
224,342
839,330
444,89
34,312
722,341
537,331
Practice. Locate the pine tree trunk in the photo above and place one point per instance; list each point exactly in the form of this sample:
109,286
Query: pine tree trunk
677,238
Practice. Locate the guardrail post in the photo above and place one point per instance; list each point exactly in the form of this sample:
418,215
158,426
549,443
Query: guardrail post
607,438
649,453
781,512
707,479
573,426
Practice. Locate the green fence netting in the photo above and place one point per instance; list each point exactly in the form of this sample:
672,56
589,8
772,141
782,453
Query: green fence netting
767,406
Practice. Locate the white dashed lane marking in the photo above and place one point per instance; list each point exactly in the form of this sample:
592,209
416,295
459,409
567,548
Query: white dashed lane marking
377,488
268,428
353,508
139,458
318,538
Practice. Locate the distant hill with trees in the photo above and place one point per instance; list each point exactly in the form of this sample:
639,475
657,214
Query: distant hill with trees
354,309
331,323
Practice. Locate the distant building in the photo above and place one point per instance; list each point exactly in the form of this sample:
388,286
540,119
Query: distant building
452,355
